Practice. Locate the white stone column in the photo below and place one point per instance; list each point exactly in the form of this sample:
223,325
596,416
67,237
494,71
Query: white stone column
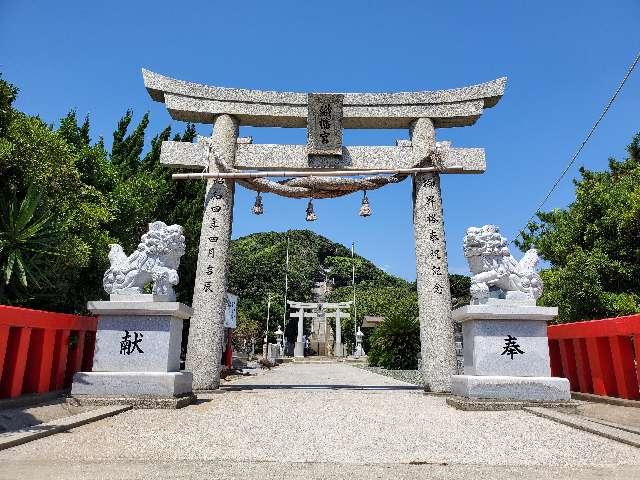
434,297
204,349
339,349
298,350
339,346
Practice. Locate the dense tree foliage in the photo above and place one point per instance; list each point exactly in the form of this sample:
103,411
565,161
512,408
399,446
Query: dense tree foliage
593,245
87,197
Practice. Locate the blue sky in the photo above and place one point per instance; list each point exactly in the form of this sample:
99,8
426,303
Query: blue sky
563,60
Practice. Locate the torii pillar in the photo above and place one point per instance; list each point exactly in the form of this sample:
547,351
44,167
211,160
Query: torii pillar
338,315
432,272
204,350
298,350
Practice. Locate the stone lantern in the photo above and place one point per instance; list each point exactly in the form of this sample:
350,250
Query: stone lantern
359,350
279,339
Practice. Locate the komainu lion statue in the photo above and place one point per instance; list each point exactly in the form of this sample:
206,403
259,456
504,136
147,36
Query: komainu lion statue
155,261
495,272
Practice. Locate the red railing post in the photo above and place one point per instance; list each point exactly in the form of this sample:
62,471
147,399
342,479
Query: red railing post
62,350
4,340
554,358
623,367
18,358
582,365
46,363
75,360
636,348
89,350
568,363
602,375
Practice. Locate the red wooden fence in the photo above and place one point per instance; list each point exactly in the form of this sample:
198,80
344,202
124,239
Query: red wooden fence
599,356
40,351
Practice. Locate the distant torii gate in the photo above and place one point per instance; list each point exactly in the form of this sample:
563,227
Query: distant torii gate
228,159
330,310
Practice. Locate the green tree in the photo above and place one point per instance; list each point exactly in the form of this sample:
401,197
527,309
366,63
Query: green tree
593,245
28,244
33,155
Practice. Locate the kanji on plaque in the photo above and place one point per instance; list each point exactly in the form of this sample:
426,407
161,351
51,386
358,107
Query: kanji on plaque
511,347
130,344
324,124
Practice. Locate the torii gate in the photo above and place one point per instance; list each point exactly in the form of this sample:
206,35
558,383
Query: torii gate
229,159
301,314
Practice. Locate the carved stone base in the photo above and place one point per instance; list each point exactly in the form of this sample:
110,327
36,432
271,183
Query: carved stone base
538,389
132,384
136,402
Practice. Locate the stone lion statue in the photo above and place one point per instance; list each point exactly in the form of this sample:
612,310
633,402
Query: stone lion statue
156,261
495,272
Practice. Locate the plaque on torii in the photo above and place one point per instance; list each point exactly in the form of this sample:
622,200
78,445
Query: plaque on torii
421,156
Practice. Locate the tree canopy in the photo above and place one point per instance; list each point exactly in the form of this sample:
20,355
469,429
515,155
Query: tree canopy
89,196
593,245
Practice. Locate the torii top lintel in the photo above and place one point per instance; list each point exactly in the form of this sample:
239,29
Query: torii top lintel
194,102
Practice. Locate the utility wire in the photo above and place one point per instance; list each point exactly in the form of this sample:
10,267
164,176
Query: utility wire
584,142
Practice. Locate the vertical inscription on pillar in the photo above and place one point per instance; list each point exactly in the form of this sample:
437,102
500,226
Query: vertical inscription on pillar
434,298
206,331
324,124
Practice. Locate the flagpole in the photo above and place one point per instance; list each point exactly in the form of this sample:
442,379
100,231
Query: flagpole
353,282
286,288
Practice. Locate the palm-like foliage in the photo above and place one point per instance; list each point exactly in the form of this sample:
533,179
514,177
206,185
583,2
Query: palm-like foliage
27,240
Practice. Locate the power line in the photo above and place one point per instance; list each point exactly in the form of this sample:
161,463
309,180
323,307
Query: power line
584,142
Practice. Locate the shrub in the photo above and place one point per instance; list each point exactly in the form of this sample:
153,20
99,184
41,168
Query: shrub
395,343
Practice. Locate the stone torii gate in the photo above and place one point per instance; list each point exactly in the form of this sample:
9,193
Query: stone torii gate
331,310
337,315
301,314
228,159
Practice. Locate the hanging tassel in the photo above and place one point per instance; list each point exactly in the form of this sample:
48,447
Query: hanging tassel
311,215
365,209
257,208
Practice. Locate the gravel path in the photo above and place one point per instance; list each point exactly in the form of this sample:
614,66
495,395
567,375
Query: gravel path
321,414
411,376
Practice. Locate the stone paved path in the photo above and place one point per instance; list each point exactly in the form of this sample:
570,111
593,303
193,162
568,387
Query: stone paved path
321,421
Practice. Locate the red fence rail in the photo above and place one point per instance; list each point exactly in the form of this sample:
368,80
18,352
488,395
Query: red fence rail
40,351
599,356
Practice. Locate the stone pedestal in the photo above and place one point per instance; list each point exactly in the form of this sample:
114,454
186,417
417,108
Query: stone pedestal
298,350
137,355
506,353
